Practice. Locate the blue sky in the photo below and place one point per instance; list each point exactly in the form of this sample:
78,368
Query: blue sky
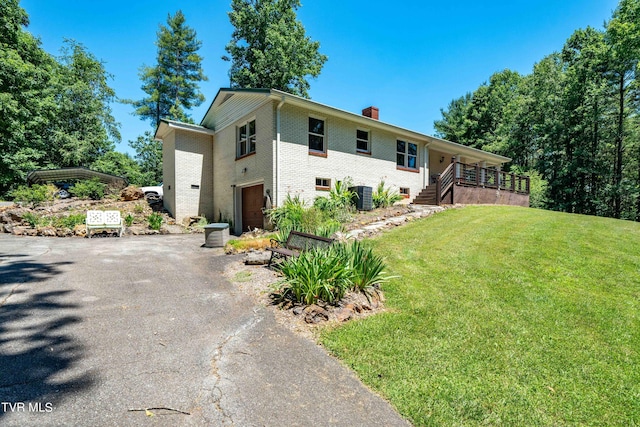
409,58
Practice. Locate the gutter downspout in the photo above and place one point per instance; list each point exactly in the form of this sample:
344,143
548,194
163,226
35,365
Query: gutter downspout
425,177
276,190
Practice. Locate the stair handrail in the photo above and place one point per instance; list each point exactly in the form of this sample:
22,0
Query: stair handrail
445,182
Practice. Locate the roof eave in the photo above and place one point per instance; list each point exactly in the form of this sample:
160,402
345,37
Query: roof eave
166,125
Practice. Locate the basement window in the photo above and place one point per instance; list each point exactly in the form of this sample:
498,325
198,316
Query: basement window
405,192
323,184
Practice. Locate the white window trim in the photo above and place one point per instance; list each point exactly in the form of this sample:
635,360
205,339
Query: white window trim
238,141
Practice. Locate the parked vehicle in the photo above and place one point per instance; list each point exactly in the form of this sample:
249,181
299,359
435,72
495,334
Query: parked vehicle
63,190
153,192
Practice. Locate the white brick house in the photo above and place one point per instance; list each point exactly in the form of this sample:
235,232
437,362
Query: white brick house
259,143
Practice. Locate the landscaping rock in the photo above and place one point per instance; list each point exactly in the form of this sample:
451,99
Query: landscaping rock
344,314
136,230
24,231
315,314
64,232
18,230
80,230
172,229
47,231
297,310
257,258
14,215
131,193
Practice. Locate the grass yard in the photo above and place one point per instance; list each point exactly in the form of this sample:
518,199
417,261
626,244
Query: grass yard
505,316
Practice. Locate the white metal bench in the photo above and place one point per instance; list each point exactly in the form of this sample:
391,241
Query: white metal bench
104,220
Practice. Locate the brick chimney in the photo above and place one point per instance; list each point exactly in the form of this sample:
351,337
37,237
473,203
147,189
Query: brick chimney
371,112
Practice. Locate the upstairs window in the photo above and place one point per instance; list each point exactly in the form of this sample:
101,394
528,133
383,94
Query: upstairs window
406,154
362,141
316,135
246,141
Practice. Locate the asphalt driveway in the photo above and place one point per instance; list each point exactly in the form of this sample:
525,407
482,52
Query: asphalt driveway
92,332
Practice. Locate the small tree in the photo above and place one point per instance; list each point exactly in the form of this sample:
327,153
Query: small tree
269,47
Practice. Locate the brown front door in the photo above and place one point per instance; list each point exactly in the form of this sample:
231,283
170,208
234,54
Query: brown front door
252,207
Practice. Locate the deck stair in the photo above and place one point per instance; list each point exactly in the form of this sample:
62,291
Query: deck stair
426,196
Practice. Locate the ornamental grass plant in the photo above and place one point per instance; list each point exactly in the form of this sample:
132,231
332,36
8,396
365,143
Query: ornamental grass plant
328,274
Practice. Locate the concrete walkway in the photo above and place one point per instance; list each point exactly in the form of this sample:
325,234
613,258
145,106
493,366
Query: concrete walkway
93,329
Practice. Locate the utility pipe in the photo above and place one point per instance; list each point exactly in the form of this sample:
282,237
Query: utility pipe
276,190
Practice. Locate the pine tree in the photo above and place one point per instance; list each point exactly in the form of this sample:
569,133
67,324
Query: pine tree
172,85
269,47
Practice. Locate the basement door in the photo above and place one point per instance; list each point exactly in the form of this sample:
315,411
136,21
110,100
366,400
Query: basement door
252,207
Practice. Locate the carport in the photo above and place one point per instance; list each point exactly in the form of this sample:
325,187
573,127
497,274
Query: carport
45,176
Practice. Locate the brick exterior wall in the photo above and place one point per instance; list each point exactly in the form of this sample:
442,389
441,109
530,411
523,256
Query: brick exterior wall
169,173
244,172
193,156
299,169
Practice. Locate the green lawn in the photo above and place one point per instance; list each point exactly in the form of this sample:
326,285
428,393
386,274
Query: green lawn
505,316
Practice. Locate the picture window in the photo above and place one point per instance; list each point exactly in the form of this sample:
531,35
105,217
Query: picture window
406,154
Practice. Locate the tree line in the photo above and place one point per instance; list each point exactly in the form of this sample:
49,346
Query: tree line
55,111
573,123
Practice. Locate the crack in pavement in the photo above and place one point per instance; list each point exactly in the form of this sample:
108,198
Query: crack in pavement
215,390
13,290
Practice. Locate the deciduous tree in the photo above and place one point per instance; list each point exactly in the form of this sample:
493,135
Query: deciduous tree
269,47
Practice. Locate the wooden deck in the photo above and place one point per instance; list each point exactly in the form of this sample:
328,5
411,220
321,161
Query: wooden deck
472,184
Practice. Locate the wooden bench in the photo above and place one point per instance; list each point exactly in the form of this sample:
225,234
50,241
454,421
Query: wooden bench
104,220
296,243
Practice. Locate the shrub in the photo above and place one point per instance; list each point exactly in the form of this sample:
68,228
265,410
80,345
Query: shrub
538,187
326,274
328,228
384,197
340,195
89,189
33,220
202,222
35,195
155,221
367,268
316,274
128,220
295,215
69,221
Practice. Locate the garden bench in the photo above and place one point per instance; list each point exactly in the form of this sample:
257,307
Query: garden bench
104,220
296,243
